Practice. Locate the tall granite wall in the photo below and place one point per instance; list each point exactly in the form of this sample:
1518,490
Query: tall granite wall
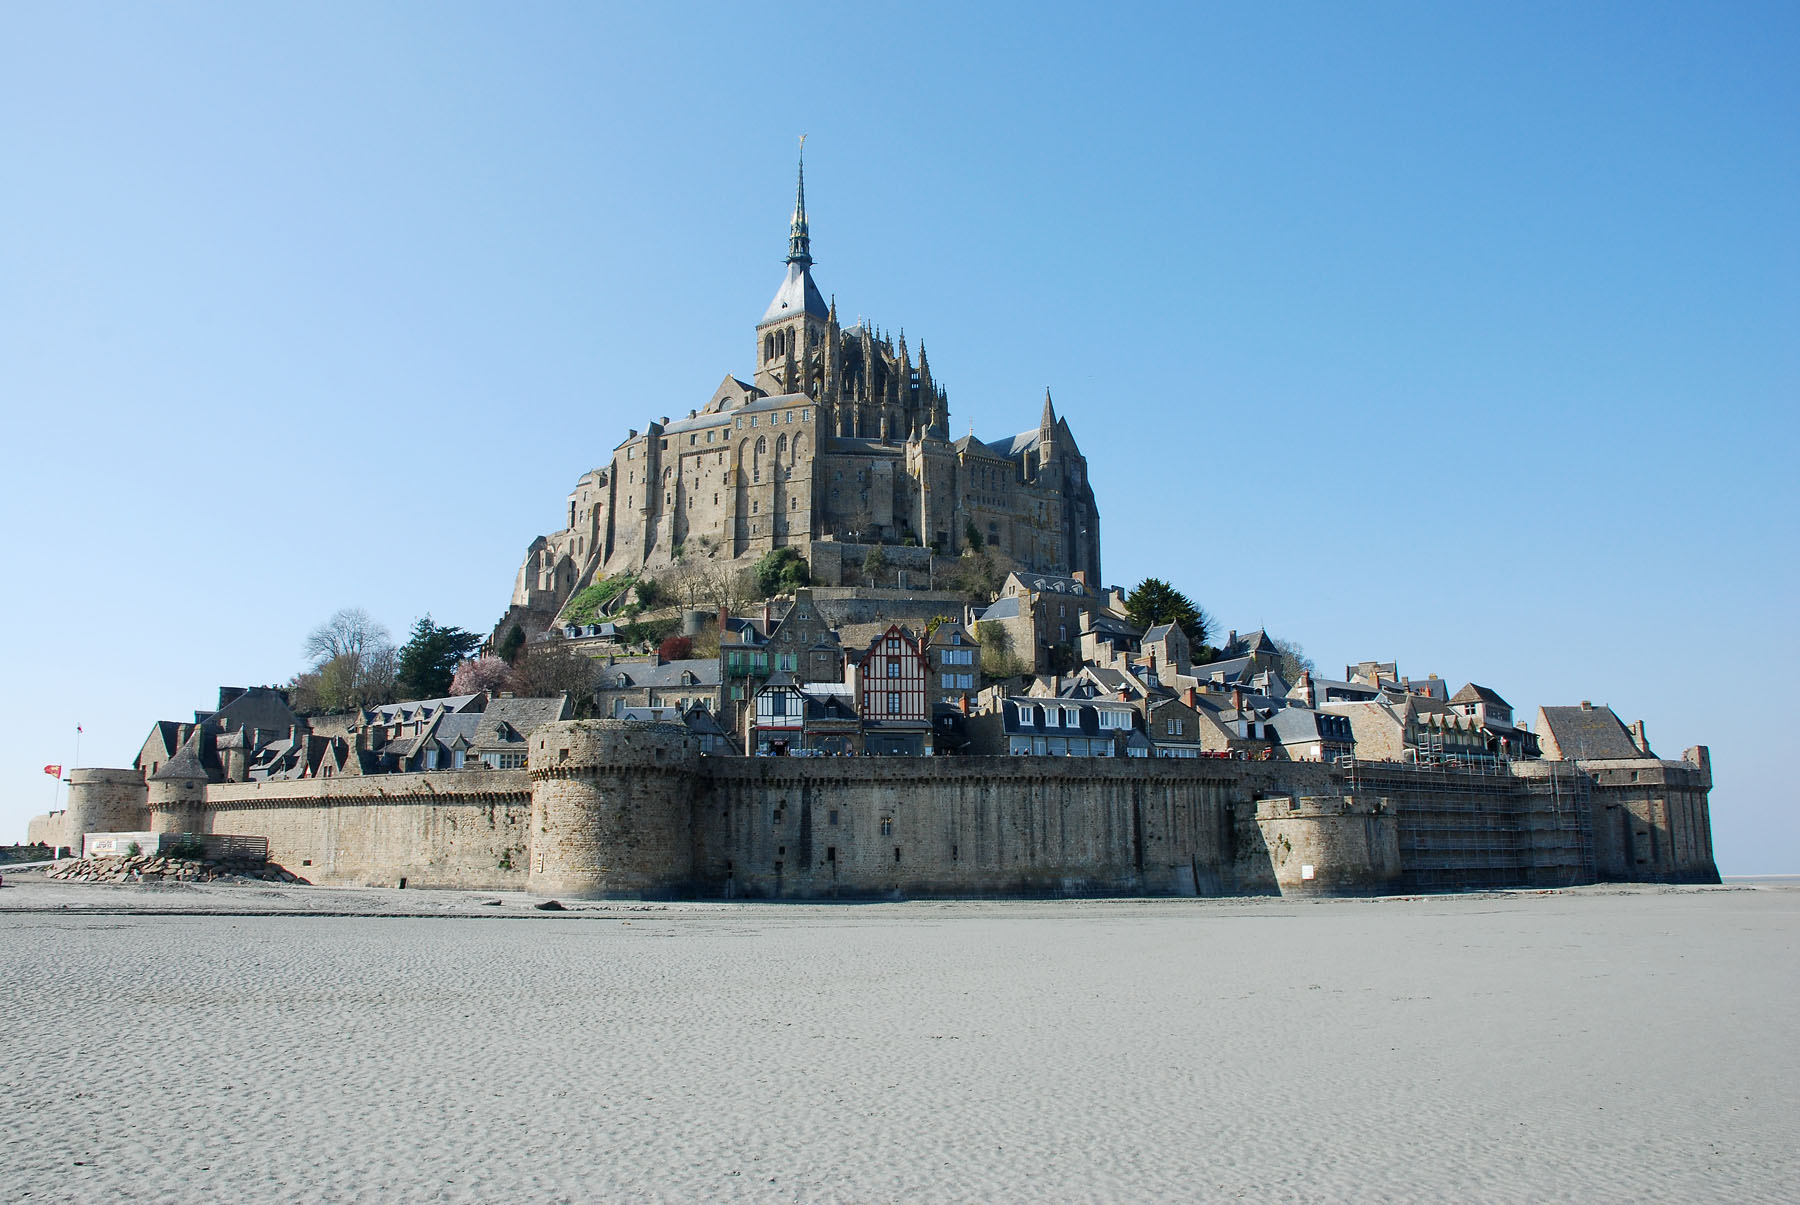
468,828
615,809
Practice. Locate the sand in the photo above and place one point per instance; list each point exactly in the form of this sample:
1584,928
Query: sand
247,1043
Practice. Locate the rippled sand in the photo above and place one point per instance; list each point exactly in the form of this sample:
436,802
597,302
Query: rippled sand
1594,1044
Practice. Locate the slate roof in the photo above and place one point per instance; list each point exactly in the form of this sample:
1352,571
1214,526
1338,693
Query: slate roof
643,674
187,762
1584,732
1005,608
1017,445
505,717
1052,583
1478,694
797,293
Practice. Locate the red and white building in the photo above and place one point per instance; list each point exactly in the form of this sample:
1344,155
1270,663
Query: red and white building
890,679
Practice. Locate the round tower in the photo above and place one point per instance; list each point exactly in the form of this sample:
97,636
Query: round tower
177,802
1331,844
612,809
105,801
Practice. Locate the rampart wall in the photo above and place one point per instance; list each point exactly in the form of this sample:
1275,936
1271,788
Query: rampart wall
616,809
468,828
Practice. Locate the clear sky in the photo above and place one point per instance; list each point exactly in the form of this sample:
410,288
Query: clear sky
1462,335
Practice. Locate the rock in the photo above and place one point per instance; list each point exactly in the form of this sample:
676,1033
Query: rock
548,906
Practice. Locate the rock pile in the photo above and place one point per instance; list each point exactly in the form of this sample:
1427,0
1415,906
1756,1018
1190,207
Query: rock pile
159,868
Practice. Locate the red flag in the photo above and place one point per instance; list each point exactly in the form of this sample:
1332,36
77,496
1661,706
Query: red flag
53,771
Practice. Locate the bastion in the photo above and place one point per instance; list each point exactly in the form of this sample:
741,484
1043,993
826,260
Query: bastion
616,809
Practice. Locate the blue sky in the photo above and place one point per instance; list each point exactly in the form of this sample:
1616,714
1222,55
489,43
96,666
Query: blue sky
1462,335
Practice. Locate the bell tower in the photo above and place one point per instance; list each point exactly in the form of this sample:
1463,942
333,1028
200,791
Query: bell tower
790,339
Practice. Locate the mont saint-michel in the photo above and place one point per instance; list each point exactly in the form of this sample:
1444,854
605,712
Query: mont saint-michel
801,643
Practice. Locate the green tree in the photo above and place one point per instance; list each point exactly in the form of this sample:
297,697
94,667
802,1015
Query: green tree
428,659
511,643
781,571
874,565
1155,601
972,536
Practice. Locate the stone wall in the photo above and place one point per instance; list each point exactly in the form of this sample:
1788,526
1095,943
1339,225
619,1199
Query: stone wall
615,809
48,829
848,828
450,828
1651,821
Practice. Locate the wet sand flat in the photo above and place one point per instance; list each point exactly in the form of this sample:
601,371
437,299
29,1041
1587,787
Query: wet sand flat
1598,1044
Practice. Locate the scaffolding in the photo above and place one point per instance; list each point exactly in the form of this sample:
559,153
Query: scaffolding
1478,825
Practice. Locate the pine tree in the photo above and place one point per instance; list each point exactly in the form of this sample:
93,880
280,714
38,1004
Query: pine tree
429,659
1155,601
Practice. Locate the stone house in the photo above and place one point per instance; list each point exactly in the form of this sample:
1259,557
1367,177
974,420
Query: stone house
954,658
657,683
1308,735
1028,726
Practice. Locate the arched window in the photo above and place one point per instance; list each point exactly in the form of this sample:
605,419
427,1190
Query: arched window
768,347
781,447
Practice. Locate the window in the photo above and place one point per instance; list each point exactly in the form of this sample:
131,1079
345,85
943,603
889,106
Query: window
893,669
949,681
965,681
893,702
1114,719
887,826
431,759
833,817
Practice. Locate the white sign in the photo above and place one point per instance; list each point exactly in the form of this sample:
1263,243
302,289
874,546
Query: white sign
1306,870
106,845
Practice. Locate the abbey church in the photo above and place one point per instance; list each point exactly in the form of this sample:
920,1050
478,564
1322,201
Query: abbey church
839,441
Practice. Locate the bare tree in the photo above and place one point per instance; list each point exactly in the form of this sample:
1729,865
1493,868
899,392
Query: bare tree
354,662
547,668
730,585
686,580
1294,660
348,633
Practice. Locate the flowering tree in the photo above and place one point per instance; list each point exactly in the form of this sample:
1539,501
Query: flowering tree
481,673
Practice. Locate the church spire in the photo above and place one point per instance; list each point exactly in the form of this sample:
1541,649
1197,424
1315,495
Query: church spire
799,240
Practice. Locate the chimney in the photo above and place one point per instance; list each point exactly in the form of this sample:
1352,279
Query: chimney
1639,739
1237,698
1191,697
1231,638
1080,575
1586,706
963,702
724,617
768,621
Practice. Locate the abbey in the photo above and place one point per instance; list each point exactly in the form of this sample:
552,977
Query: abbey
839,438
